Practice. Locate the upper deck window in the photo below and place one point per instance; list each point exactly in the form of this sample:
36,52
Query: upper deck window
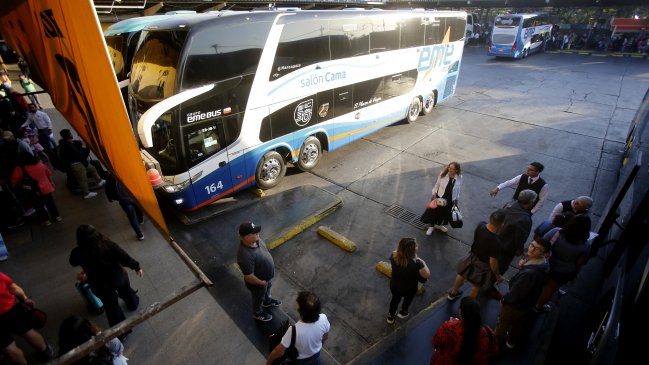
217,54
507,22
153,74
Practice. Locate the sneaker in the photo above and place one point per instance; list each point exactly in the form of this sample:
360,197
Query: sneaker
403,314
509,345
101,183
430,231
450,296
390,319
58,219
142,221
262,316
271,303
562,291
46,223
140,237
48,353
91,194
545,308
441,228
29,212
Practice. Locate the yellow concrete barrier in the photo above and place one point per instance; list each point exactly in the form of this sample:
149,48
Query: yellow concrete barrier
385,268
260,193
337,239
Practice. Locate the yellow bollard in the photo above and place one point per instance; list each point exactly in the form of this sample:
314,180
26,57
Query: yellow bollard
337,239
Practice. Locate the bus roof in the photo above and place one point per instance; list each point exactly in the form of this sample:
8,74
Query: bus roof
133,24
524,15
198,19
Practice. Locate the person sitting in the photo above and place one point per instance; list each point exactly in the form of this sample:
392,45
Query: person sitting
75,155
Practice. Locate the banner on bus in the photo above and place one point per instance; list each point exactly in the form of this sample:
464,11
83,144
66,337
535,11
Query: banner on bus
63,44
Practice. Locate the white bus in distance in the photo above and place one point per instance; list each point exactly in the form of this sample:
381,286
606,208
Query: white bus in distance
223,103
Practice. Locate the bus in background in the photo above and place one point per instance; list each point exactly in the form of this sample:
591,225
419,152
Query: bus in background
224,103
517,35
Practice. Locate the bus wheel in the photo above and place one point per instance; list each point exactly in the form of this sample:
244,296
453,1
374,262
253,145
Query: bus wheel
270,170
414,109
524,53
429,104
310,154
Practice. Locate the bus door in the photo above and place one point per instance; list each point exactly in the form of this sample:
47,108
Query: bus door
207,155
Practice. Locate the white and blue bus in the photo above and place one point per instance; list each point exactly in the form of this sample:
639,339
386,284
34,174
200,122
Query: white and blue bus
223,103
517,35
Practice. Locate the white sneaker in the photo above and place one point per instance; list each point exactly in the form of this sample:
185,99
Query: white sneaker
430,231
91,194
441,228
101,183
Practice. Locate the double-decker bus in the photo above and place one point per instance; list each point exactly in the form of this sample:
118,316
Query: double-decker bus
517,35
223,103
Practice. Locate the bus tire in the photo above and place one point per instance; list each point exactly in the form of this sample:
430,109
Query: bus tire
413,110
429,104
524,53
270,170
310,154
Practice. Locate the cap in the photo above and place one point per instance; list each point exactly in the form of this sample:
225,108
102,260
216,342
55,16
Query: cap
248,228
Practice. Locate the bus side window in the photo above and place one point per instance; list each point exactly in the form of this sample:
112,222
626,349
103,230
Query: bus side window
232,127
301,44
413,32
384,36
435,31
350,37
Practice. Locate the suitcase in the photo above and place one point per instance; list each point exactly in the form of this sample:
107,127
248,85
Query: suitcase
93,304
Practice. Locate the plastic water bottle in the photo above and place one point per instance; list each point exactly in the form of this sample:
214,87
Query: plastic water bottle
4,254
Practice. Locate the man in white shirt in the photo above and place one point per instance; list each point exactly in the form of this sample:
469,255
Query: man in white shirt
42,122
529,180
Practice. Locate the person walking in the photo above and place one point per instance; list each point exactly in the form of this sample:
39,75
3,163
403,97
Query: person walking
529,180
42,201
407,270
43,124
524,289
516,228
30,88
103,261
115,191
568,254
75,155
464,340
75,331
446,193
258,270
311,331
480,267
14,320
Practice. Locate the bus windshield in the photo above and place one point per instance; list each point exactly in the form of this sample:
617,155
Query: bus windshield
116,51
507,22
155,65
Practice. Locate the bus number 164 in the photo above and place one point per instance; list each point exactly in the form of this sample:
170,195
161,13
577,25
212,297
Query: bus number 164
213,187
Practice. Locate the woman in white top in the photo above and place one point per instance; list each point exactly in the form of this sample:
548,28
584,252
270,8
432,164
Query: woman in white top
447,187
310,332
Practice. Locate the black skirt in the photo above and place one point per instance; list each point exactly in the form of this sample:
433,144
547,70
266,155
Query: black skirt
439,215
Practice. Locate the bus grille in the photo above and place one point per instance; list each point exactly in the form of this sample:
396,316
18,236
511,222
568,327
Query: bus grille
406,216
450,86
503,39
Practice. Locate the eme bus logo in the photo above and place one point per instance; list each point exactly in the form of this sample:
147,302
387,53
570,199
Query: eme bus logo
435,56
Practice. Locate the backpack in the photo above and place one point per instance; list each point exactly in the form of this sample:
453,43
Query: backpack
29,185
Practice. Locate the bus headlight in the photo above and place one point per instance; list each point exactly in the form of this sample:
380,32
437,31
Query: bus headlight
174,188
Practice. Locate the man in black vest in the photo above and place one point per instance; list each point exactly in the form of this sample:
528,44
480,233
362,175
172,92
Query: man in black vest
578,205
529,180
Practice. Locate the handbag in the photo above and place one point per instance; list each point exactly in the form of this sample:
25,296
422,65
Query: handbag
275,338
37,317
456,217
441,202
432,204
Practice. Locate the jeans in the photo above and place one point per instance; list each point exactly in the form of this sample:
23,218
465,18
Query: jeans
134,215
80,172
396,298
260,294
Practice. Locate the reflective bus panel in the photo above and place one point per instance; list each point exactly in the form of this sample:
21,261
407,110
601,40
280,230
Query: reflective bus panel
225,103
518,35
